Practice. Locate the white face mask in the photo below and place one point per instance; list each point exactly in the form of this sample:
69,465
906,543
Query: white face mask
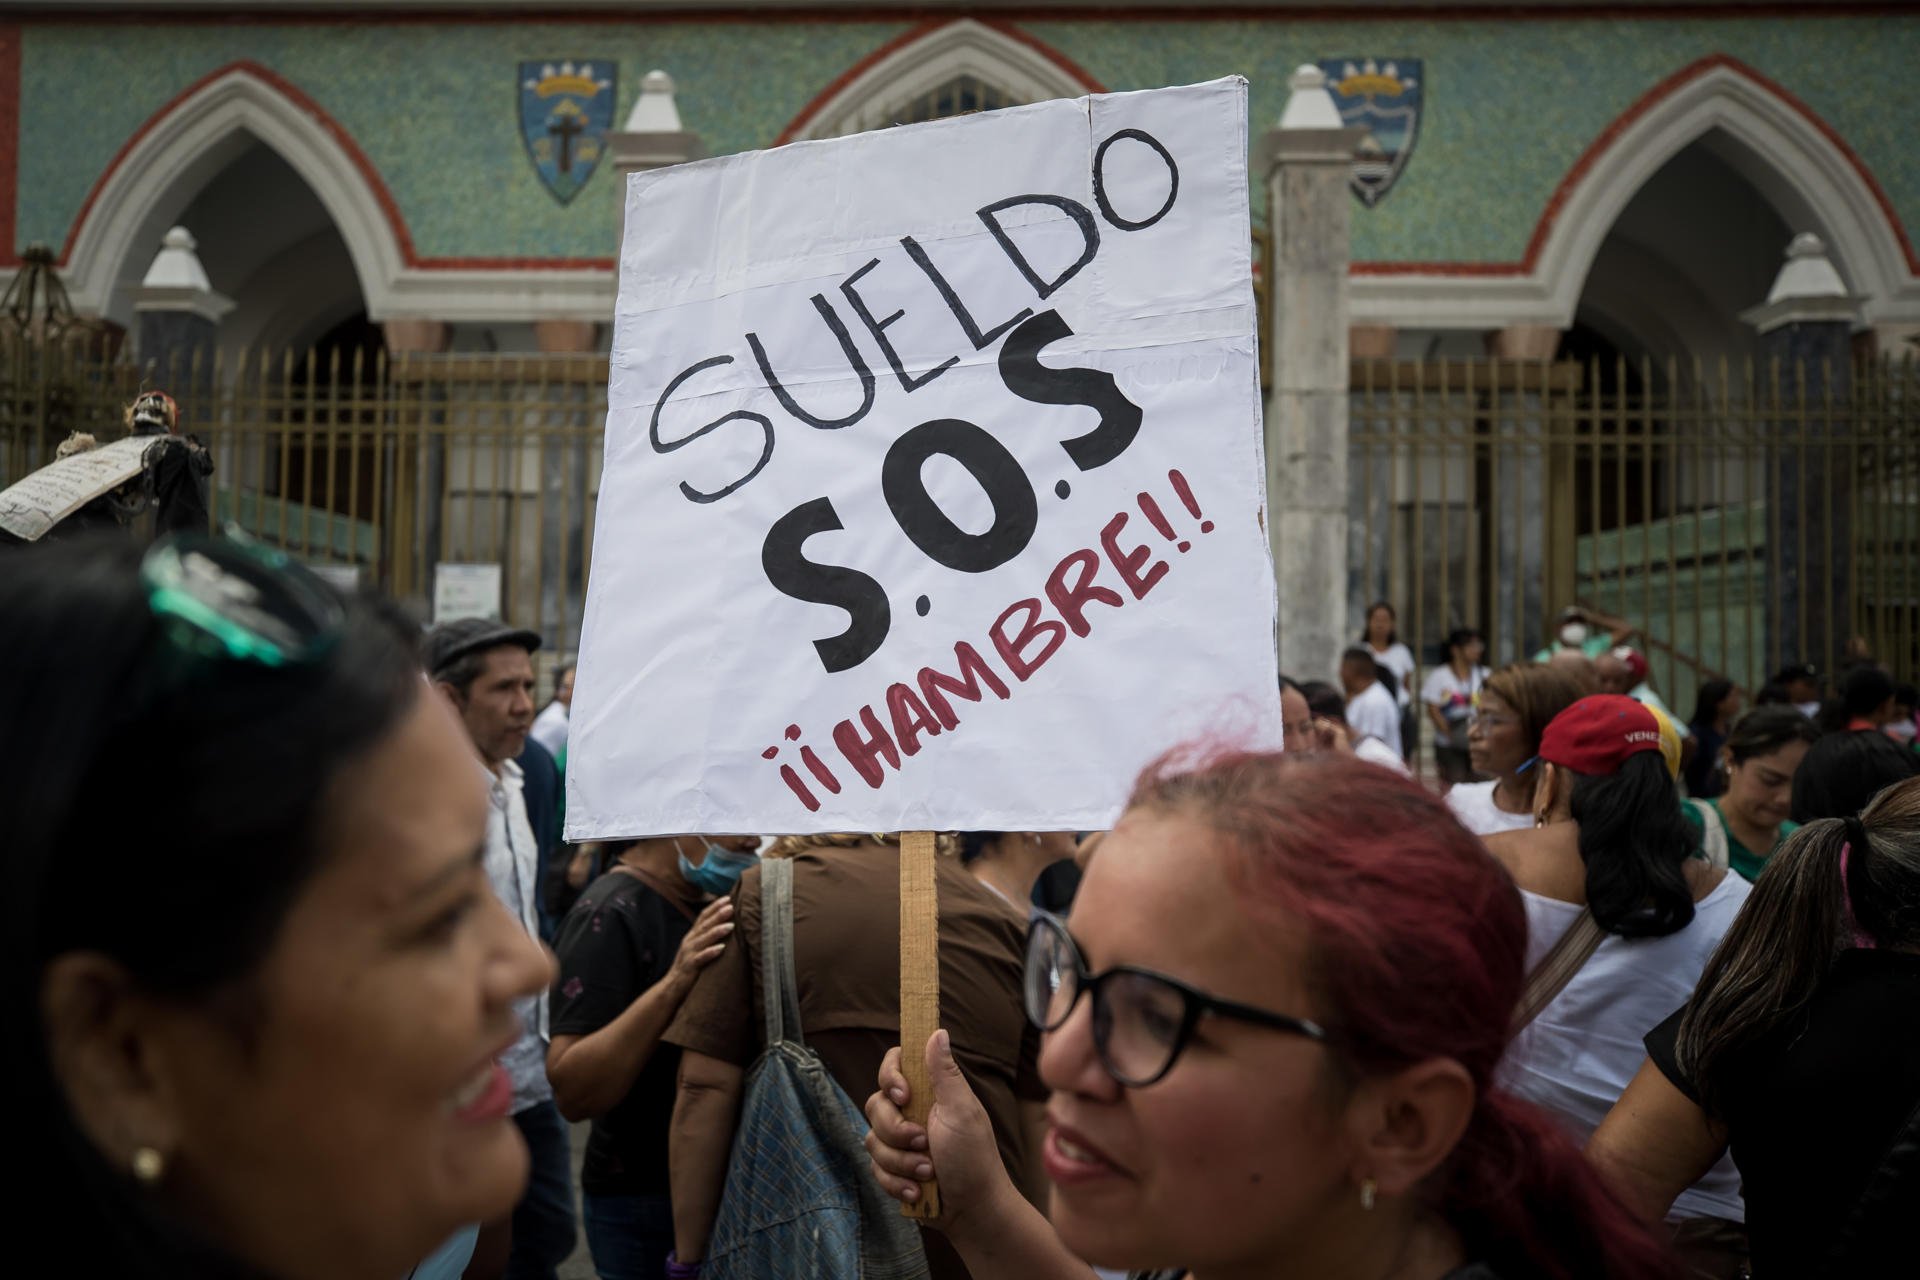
1807,709
1573,634
1902,730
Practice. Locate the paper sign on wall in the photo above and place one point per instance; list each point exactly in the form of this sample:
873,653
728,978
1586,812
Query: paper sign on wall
465,591
933,487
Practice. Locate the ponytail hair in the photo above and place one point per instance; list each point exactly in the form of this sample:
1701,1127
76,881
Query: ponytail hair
1417,950
1837,883
1635,843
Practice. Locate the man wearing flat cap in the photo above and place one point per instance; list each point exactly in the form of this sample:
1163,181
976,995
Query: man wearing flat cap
485,669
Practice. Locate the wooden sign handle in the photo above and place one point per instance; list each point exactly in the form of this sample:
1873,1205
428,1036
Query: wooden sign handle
919,989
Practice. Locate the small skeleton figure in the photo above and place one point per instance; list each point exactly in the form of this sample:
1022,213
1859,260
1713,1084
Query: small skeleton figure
152,413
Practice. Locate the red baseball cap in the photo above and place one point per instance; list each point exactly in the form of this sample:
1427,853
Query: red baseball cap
1636,664
1597,734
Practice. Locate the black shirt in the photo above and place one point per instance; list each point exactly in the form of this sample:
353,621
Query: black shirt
1811,1107
620,939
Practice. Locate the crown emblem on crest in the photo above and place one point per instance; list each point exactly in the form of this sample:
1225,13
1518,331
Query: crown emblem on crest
567,78
1383,96
1371,79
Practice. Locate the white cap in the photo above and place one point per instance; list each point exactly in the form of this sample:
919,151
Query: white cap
1309,105
655,111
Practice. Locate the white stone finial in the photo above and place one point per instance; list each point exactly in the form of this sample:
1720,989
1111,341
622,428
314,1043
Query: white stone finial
1309,105
176,266
1808,273
655,111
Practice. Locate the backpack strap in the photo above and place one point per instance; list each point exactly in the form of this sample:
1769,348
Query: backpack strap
1713,834
1556,969
779,989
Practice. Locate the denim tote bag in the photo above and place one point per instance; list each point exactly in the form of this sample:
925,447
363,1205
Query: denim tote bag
800,1200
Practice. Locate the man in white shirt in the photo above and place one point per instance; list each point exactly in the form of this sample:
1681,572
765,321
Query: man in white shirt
1372,712
550,726
1337,736
484,669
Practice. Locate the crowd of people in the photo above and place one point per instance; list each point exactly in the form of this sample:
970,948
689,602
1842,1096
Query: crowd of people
317,988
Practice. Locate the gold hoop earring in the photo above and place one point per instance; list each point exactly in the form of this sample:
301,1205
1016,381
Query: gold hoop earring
1367,1192
148,1165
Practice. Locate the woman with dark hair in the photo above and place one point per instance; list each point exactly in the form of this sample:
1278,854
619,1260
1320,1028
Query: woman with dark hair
1842,772
1623,913
1271,1036
255,972
1715,708
1009,863
1451,691
1800,1052
1503,737
1742,826
1382,641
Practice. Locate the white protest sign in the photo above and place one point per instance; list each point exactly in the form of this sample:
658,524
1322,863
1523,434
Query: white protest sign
934,488
38,501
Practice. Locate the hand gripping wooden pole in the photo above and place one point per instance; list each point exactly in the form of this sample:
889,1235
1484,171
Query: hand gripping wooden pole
919,989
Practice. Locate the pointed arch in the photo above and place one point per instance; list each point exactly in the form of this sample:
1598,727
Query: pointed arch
188,141
1800,163
929,56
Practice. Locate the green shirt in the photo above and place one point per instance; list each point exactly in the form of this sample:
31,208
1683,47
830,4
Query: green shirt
1742,859
1593,646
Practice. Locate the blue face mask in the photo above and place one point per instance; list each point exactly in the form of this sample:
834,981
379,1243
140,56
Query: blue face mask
715,875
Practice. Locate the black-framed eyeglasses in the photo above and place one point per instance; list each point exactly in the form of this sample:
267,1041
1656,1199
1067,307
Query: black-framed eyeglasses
1141,1019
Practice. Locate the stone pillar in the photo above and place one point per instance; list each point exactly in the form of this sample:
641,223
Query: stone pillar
177,314
560,464
565,337
1307,160
1534,508
654,136
1524,342
415,335
1806,332
1372,341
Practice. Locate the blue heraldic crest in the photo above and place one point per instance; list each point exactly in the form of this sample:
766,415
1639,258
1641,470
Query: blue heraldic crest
1384,95
566,109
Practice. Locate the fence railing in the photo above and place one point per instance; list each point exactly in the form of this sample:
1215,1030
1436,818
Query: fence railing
384,467
1741,518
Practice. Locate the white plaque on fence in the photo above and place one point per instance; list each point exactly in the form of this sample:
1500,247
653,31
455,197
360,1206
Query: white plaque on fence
465,591
40,500
934,489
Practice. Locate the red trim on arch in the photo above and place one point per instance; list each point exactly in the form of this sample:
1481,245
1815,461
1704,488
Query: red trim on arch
9,142
286,89
924,29
1602,144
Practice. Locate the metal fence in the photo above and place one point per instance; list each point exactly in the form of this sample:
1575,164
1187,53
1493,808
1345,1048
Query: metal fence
1742,518
384,467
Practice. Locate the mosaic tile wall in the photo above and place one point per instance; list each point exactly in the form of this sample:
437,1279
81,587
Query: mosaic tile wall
1509,106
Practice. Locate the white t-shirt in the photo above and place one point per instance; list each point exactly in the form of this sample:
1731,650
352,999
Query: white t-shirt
1472,803
550,727
1372,714
1374,751
1399,660
1576,1058
1455,698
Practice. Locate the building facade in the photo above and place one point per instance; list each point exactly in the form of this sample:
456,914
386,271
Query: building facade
1561,177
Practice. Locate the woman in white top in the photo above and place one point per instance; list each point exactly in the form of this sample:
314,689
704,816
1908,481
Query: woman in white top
1449,696
1516,704
1609,844
1384,644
